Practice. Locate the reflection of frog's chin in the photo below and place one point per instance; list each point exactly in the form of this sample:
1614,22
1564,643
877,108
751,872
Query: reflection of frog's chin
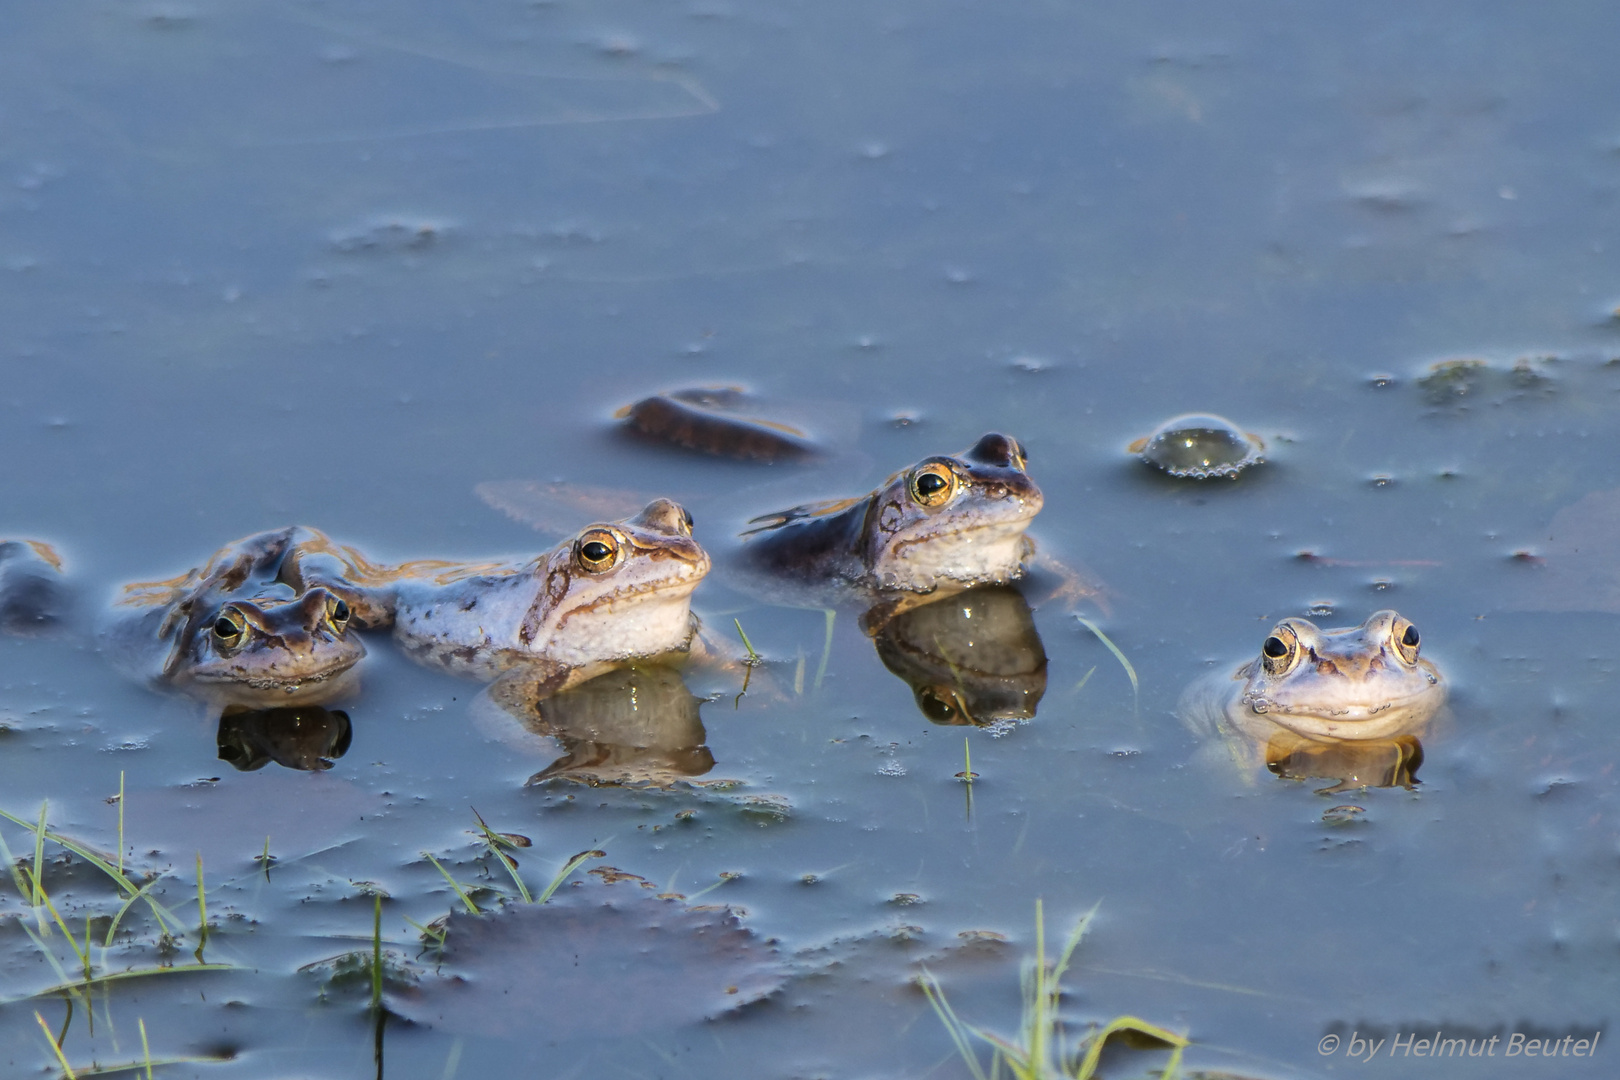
1392,762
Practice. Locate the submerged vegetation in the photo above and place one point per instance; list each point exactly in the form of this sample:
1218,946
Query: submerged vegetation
84,962
1041,1050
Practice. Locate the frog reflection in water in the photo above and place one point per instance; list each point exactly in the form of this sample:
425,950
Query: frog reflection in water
308,738
613,593
946,521
244,628
1348,704
637,726
973,657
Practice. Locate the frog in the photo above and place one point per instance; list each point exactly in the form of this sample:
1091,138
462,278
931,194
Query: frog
612,593
1364,685
244,628
948,521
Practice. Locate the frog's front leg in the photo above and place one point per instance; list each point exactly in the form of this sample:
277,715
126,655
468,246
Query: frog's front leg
1075,584
360,584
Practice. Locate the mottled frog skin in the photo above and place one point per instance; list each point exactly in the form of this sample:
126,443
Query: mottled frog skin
947,520
612,593
243,629
1362,682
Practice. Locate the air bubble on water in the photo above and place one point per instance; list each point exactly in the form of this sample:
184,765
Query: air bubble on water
892,768
1200,446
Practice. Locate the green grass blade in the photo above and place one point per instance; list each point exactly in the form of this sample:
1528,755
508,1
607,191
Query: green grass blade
95,859
1088,1066
935,993
493,841
67,1070
16,871
121,828
454,885
753,657
39,854
1136,688
826,647
119,917
73,986
146,1048
568,868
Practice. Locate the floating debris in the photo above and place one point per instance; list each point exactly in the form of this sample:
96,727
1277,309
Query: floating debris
711,420
1200,446
1458,382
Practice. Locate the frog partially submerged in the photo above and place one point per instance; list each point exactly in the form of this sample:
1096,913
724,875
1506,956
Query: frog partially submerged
33,596
946,521
1362,685
612,593
245,628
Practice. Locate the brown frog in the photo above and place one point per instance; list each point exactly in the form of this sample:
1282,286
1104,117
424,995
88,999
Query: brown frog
948,520
1313,698
243,628
614,592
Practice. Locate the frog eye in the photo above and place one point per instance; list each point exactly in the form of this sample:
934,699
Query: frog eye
229,627
1280,652
933,484
1405,637
338,612
597,551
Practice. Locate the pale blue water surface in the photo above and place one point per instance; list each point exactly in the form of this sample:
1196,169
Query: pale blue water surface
339,263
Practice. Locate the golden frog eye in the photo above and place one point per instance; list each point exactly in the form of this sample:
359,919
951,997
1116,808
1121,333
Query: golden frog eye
933,484
1405,638
597,551
229,627
338,613
1280,652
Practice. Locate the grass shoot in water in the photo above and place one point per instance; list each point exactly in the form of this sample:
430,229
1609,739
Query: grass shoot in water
1041,1052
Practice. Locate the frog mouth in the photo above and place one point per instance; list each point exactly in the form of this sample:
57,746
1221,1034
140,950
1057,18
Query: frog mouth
274,681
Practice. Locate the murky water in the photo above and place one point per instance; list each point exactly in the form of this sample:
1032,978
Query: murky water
339,265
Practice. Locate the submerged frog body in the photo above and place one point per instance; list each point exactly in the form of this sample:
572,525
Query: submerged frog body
1360,686
612,593
945,521
244,628
33,596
